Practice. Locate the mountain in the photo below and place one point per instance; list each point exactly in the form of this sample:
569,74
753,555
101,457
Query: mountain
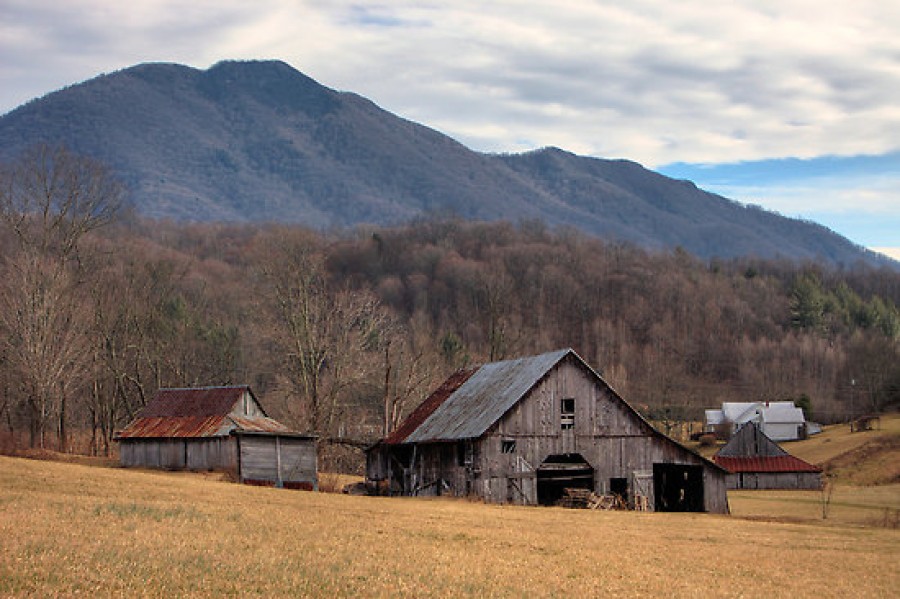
260,141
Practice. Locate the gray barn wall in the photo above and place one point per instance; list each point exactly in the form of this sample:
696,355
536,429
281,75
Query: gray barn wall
214,453
278,459
611,438
775,480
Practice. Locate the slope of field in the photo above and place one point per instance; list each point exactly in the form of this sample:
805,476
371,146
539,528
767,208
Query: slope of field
69,529
860,458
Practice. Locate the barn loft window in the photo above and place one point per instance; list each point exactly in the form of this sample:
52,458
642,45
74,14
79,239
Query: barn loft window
507,446
567,413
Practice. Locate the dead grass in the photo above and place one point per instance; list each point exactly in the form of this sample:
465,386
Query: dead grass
877,506
68,529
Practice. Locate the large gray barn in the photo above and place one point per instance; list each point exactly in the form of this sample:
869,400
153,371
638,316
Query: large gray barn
521,431
218,428
757,462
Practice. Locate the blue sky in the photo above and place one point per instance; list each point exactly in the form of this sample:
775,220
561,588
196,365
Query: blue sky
788,104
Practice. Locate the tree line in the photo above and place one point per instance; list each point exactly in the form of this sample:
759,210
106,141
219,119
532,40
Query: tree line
342,333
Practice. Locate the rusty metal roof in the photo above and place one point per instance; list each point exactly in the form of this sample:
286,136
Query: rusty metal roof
484,397
199,412
781,463
427,407
197,401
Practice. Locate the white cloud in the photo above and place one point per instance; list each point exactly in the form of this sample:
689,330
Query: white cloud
892,252
650,80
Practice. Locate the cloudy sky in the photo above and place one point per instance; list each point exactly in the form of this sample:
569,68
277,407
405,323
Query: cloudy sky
790,104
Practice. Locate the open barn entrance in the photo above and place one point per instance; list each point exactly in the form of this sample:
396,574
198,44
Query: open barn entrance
560,472
678,488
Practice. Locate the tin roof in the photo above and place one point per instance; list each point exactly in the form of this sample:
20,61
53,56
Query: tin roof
197,401
199,412
427,407
780,463
483,398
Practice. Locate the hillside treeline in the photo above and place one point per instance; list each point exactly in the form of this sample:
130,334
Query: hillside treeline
342,333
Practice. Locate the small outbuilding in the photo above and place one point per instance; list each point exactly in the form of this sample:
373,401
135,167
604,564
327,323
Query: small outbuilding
218,428
530,431
755,461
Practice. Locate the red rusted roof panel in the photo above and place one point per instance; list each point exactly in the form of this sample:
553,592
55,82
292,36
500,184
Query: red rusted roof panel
198,402
427,407
177,426
781,463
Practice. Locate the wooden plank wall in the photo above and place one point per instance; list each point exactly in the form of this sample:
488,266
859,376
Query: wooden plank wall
608,435
263,455
775,480
215,453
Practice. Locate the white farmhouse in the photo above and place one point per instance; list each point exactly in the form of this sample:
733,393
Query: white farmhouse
778,420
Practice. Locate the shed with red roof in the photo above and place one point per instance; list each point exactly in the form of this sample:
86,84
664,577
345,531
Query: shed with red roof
218,428
755,461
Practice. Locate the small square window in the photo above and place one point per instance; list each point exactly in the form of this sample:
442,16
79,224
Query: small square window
507,446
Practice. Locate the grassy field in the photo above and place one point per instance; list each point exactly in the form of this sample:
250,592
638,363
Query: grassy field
72,529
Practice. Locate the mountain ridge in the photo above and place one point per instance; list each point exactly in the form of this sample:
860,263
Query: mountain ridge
247,141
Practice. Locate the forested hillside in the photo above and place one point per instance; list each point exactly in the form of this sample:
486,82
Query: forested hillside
344,333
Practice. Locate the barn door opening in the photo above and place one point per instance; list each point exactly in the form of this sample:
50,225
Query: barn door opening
560,472
678,488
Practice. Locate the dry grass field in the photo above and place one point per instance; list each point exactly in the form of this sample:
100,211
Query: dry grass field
72,529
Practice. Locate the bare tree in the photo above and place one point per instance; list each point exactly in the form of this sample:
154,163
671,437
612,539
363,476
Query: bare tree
327,337
45,323
49,200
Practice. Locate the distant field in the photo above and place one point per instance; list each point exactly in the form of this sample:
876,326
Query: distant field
69,529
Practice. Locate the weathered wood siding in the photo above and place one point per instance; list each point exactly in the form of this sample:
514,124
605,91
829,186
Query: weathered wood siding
279,460
605,432
217,453
775,480
502,465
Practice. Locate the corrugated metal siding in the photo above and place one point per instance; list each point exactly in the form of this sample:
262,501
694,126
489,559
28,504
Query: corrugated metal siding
177,426
427,407
784,463
484,398
195,402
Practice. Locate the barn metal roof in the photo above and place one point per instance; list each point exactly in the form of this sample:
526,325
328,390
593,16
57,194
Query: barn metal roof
483,398
427,407
196,413
772,464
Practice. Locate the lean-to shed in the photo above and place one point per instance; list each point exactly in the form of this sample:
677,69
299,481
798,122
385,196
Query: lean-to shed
218,428
757,462
522,431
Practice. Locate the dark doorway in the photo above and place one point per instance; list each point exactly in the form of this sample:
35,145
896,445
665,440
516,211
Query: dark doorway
678,488
560,472
619,486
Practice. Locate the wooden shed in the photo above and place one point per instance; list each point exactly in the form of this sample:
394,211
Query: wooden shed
755,461
524,431
218,428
